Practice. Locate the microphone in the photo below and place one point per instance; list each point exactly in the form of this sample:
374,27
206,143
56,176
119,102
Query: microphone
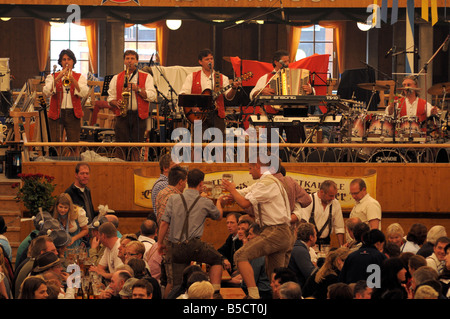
54,68
151,60
210,65
445,47
282,64
282,11
389,52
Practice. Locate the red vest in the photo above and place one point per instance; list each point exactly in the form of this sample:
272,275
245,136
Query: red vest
197,89
421,109
55,108
143,105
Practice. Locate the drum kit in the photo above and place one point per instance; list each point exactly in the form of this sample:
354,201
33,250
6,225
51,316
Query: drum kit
361,125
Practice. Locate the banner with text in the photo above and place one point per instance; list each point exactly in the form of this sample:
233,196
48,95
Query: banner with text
310,182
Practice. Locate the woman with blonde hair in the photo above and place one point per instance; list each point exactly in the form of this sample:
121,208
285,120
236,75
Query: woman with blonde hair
72,218
316,285
394,234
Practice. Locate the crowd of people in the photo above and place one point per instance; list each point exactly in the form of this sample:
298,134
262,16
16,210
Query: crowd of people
279,246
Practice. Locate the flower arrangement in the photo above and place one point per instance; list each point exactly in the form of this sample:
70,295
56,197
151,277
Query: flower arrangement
36,192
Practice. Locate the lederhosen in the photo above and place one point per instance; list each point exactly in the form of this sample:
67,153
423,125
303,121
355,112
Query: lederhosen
326,240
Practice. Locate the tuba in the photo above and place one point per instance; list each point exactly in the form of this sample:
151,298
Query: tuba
123,103
66,80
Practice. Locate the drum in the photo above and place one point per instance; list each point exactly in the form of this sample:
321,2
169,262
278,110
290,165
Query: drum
381,125
409,126
359,125
387,156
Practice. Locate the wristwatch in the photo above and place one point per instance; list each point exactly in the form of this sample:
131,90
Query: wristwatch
139,90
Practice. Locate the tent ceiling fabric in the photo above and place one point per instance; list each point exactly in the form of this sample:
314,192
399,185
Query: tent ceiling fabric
142,15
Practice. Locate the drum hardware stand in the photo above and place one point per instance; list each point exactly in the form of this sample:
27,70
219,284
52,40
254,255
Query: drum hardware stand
171,112
313,131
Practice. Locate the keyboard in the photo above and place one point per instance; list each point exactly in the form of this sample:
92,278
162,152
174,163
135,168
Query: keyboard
297,99
282,120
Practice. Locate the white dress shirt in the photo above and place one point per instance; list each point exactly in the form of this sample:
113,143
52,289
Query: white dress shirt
149,89
66,99
205,82
269,194
321,216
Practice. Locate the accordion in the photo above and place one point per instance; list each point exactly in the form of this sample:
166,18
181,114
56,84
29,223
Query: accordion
290,81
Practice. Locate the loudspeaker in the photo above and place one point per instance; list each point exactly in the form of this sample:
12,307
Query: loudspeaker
13,164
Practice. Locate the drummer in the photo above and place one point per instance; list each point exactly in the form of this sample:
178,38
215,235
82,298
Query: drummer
411,104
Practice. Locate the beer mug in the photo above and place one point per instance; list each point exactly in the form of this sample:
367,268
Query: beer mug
208,188
227,177
3,129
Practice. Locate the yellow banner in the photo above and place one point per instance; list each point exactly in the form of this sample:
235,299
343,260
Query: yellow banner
310,182
425,10
434,12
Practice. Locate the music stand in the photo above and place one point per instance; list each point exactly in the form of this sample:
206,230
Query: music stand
105,87
203,101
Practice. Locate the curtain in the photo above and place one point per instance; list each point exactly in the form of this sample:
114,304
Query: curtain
162,38
294,35
339,31
92,41
42,31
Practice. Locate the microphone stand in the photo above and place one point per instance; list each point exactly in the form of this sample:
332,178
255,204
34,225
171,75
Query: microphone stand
395,89
169,103
425,69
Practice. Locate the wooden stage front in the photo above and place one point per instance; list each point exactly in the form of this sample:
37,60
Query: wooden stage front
408,193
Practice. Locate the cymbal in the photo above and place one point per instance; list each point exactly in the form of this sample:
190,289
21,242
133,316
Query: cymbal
342,106
373,86
438,89
408,88
352,102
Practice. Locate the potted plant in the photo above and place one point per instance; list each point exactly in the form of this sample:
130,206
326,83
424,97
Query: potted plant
36,192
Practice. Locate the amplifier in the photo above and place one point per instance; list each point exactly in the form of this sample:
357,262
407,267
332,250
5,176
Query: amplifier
94,133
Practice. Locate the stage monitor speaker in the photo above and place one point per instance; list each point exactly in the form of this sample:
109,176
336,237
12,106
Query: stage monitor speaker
5,102
13,164
348,87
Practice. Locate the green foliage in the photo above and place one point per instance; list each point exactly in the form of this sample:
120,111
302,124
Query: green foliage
36,191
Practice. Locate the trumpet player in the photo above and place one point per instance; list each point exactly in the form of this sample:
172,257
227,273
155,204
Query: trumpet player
132,114
66,89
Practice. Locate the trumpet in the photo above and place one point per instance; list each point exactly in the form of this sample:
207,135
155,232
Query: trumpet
66,79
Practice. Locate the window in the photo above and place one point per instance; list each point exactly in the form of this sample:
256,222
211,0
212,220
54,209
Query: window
316,39
69,36
142,40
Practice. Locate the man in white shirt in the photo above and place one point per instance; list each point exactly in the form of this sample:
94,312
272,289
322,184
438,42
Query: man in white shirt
437,258
66,89
110,259
200,82
280,60
131,117
367,209
325,213
147,236
270,204
411,104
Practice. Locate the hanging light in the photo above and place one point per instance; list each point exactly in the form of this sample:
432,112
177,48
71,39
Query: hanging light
364,26
5,18
173,24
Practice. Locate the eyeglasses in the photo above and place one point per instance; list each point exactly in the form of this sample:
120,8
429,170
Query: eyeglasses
130,254
354,194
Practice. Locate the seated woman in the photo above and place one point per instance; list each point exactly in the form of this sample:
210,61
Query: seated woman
72,218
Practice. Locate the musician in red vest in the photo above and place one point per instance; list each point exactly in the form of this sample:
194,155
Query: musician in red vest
131,117
66,90
280,60
206,79
411,104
